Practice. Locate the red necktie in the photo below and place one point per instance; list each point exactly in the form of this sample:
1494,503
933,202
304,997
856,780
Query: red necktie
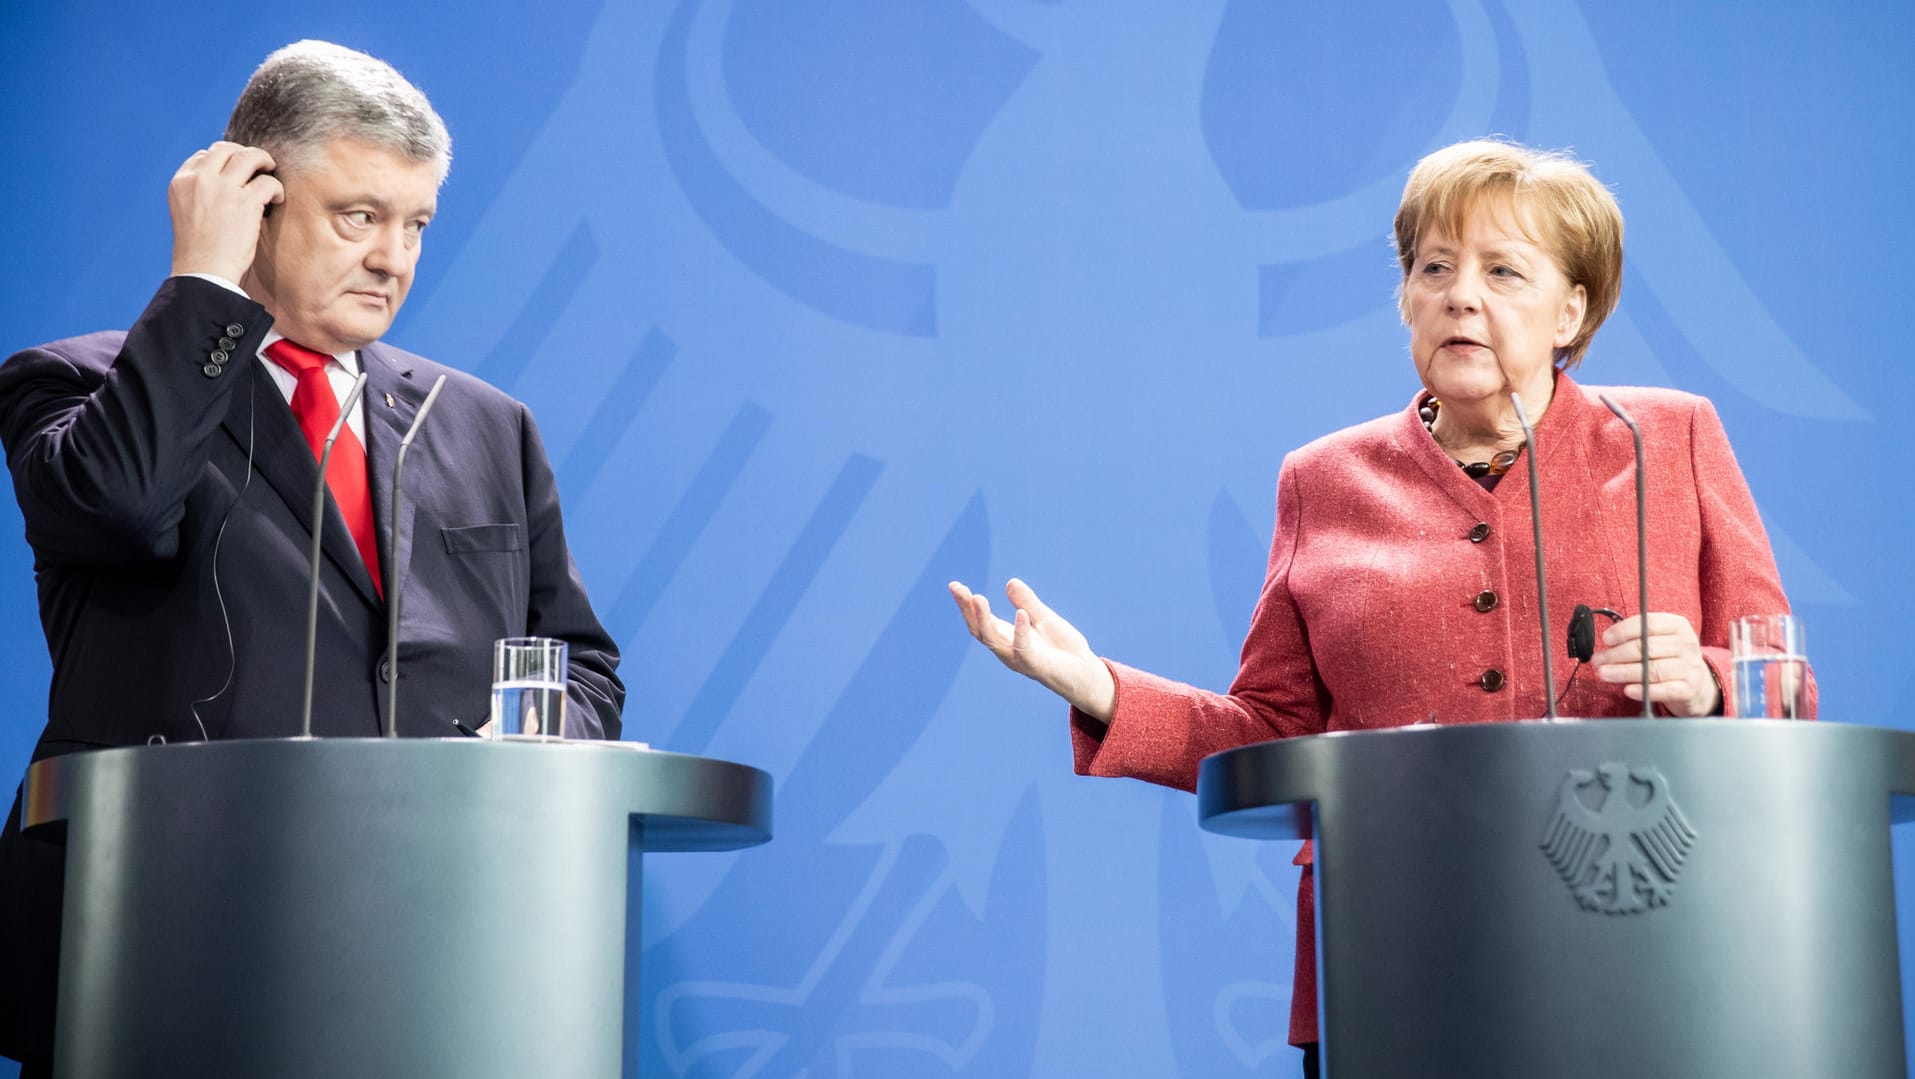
317,408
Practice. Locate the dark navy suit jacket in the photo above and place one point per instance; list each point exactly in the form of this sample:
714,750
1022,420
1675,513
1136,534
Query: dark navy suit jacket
167,496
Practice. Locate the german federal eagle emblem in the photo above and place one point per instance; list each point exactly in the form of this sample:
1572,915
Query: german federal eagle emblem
1618,838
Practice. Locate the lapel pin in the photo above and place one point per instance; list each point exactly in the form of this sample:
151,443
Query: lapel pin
389,403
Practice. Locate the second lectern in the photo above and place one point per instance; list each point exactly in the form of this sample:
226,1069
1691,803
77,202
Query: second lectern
1711,899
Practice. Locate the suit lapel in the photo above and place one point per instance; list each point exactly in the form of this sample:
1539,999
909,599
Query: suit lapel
260,422
392,400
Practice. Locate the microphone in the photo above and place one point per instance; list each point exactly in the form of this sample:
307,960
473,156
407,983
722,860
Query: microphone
1536,533
1642,549
319,527
394,587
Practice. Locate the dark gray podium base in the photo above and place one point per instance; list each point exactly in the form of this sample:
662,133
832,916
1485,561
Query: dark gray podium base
348,907
1737,909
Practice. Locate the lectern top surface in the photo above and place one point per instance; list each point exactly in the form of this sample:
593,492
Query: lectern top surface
1268,790
681,802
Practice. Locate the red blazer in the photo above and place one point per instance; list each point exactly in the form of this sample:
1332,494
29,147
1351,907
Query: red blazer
1385,557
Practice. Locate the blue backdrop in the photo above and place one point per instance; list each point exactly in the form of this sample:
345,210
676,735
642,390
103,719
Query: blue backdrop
822,305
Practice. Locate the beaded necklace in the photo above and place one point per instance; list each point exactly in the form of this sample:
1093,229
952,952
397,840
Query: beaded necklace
1495,466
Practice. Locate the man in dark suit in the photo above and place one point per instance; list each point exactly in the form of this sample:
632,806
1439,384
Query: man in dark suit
166,473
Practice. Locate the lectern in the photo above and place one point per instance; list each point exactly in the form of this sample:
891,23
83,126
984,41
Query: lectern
365,907
1696,898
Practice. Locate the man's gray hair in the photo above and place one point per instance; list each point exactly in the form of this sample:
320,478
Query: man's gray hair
311,92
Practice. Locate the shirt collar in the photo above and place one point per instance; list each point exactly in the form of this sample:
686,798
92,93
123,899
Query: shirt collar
347,360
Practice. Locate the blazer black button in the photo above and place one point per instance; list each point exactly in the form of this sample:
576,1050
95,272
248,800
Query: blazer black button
211,370
385,670
1492,680
1480,532
1485,600
234,329
219,356
228,343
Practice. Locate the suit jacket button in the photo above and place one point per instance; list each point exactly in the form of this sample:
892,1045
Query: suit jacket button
1485,601
219,356
1492,680
211,370
385,670
1480,532
234,329
228,343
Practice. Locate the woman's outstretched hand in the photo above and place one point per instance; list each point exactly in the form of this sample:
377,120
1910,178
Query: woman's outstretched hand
1040,645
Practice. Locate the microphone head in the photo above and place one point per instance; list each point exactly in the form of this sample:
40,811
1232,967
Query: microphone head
1582,633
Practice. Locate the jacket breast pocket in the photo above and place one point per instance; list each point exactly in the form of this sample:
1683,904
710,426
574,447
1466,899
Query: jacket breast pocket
479,582
473,539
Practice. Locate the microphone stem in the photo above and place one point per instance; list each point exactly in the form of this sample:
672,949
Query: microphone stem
1642,565
394,570
312,562
1642,548
1536,533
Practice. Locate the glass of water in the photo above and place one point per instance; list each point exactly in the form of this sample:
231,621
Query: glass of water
528,688
1771,666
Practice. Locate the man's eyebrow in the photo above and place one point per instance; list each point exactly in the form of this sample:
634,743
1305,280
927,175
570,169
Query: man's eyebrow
382,205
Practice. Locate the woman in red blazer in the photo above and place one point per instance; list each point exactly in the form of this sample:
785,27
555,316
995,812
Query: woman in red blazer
1401,584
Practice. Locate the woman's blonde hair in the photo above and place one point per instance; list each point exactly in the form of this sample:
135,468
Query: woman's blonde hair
1579,223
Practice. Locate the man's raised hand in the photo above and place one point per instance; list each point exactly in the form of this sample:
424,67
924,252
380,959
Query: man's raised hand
218,198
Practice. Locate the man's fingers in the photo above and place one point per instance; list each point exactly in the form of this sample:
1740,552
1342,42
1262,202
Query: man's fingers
252,160
239,161
212,160
232,164
233,161
267,189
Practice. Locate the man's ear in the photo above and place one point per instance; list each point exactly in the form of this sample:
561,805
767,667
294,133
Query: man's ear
249,281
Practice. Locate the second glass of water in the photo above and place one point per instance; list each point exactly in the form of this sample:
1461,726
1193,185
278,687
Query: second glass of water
528,688
1771,666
